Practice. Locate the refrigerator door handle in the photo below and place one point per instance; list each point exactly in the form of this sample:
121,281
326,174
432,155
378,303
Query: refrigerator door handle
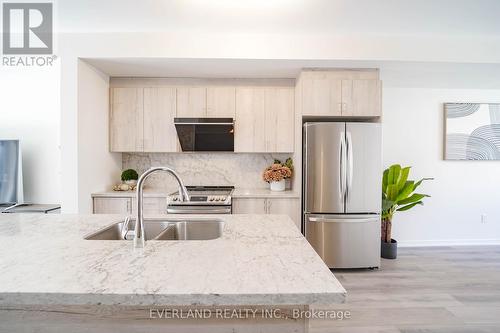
342,174
343,220
349,167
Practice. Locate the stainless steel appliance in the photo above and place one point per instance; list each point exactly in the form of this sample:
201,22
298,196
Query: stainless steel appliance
203,200
341,198
205,134
11,176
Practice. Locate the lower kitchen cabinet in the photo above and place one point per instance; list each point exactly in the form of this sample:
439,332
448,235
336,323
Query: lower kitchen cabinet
123,205
285,206
158,205
151,205
249,206
111,205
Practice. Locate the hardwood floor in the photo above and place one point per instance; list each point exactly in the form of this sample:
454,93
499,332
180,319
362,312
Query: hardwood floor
425,290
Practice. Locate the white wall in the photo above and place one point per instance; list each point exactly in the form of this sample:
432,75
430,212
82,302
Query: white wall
423,17
97,167
413,135
29,111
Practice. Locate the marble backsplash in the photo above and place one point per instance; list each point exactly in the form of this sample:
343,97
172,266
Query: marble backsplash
239,170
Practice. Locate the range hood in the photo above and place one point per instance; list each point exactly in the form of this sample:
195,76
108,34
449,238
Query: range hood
205,134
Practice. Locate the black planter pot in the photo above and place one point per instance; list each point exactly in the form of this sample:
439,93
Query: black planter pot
389,250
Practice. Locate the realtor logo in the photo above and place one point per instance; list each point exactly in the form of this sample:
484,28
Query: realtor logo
27,28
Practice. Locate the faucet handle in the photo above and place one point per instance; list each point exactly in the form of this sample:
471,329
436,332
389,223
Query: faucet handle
124,230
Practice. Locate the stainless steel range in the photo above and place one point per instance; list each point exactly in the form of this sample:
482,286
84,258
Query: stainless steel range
204,200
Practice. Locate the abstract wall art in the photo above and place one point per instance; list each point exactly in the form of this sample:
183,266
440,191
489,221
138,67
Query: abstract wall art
472,131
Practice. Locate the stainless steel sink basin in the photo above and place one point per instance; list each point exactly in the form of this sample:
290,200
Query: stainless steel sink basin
192,230
171,229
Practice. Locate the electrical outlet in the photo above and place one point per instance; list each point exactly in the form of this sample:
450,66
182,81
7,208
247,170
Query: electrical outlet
484,218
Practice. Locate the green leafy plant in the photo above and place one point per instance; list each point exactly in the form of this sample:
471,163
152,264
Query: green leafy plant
398,194
129,174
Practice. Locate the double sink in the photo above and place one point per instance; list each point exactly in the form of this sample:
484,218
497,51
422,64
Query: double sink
163,229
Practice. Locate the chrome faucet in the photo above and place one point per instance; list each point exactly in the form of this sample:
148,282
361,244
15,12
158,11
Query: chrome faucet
139,236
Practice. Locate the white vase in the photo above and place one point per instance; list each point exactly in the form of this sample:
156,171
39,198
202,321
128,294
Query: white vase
131,182
278,186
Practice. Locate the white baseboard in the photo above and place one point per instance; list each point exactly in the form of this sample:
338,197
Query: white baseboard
448,242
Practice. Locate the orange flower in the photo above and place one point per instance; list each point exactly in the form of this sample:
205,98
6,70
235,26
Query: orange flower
276,173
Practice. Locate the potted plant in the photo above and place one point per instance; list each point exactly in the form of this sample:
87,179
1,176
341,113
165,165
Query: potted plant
397,196
277,173
130,177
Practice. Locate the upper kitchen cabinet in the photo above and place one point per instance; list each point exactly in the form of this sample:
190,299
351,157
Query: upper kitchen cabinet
126,120
159,114
264,119
250,120
191,102
212,102
342,93
143,112
361,98
142,120
321,94
221,102
279,123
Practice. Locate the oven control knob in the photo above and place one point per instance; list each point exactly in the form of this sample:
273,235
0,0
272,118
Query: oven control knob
211,199
174,199
223,198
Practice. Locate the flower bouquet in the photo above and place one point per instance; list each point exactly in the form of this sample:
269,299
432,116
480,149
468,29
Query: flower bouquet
276,174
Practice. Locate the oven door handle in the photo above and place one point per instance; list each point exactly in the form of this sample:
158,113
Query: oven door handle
198,211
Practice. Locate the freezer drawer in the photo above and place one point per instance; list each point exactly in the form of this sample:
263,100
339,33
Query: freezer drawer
345,241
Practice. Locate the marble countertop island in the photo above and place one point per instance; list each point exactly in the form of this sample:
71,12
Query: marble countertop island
259,260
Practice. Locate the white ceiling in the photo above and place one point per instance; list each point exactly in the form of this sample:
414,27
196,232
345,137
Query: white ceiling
412,17
452,21
205,68
416,74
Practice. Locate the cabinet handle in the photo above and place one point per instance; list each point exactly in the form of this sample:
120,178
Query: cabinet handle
269,202
344,107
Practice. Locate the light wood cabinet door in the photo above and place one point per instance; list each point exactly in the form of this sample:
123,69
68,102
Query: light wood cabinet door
279,119
159,114
321,95
151,205
221,102
249,206
126,120
361,98
285,206
112,205
250,120
191,102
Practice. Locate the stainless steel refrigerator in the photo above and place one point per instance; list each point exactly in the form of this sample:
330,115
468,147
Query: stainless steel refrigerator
342,192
